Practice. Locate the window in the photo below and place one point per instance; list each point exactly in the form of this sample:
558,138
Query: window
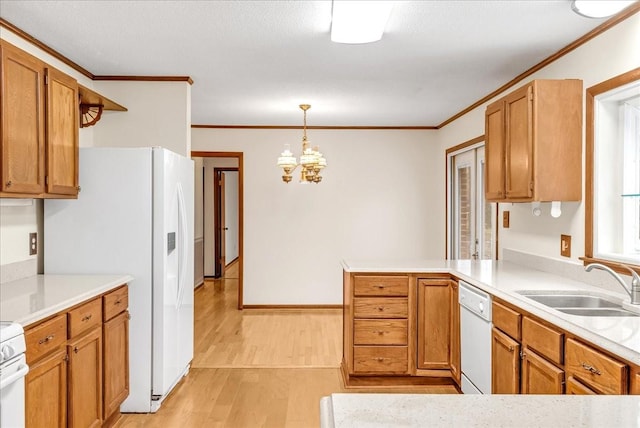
471,231
613,171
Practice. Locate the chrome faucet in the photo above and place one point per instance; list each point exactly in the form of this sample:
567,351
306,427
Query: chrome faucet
634,291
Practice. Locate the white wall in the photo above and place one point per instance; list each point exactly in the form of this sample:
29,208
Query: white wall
376,201
209,214
610,54
159,114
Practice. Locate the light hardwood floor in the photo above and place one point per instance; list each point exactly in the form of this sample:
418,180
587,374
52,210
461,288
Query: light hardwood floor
255,368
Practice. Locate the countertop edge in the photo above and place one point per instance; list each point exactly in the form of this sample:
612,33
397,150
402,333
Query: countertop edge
61,306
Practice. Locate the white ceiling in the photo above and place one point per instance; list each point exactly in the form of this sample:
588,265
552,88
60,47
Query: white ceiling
253,62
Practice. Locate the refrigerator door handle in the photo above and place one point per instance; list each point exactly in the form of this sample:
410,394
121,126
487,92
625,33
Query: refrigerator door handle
182,245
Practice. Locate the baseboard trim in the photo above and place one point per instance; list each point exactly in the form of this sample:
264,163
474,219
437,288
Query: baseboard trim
292,306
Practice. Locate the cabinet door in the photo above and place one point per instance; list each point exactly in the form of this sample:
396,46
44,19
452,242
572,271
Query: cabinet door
494,152
62,133
116,363
505,364
540,376
454,361
434,323
46,392
519,143
22,113
85,380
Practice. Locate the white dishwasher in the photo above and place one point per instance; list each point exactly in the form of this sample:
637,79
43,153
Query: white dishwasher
475,339
13,369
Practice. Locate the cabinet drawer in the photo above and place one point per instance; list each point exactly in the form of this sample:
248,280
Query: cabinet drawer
575,387
381,286
596,369
544,340
380,359
85,317
373,307
45,337
380,332
507,320
115,302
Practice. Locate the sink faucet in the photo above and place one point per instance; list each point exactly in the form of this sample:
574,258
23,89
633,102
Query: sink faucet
634,291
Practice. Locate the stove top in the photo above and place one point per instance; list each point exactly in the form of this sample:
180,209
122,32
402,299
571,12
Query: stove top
9,330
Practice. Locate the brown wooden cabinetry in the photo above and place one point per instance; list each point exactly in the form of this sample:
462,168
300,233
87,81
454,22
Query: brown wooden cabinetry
115,352
400,330
595,369
505,364
39,113
75,372
434,323
533,143
540,376
85,380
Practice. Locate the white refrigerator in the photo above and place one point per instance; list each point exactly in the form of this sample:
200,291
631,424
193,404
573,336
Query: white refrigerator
134,215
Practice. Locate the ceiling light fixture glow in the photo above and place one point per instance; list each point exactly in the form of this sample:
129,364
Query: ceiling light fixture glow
359,21
599,8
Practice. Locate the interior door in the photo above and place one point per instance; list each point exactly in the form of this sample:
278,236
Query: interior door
473,219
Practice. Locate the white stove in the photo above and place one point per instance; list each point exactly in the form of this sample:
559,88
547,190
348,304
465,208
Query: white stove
13,369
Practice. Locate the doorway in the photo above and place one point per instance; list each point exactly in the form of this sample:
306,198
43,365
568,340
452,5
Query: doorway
225,207
472,221
217,237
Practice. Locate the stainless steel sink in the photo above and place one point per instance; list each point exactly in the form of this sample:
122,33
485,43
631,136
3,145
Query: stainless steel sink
572,301
597,312
580,304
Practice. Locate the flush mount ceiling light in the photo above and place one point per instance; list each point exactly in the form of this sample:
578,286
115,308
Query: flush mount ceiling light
312,161
359,21
599,8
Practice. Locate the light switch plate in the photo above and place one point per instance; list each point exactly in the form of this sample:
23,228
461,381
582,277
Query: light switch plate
505,219
565,245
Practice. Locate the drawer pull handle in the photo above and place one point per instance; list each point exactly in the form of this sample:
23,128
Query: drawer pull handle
380,332
379,359
381,308
9,183
87,318
118,302
591,369
46,339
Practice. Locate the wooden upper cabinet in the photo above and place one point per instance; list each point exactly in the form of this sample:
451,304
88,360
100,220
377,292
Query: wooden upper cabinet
23,127
533,143
39,134
494,151
62,133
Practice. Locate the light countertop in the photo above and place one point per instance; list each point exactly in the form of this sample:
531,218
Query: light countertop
618,335
32,299
425,410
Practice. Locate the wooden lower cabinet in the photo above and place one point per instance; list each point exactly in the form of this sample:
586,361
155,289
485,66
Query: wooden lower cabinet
594,369
85,380
505,364
540,376
115,363
46,391
454,354
434,323
79,364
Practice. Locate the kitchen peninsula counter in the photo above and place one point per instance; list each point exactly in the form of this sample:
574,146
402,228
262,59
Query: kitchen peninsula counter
425,410
29,300
618,335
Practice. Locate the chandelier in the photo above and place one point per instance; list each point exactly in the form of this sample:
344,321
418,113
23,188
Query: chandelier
311,161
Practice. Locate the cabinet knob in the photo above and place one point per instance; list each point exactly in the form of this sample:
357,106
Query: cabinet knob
46,339
380,286
87,318
75,349
381,308
79,189
380,359
9,183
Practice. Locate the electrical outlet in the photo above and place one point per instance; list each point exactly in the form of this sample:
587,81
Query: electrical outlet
33,244
565,245
505,219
